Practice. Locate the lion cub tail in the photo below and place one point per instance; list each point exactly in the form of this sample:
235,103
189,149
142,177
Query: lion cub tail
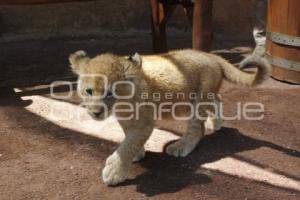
238,76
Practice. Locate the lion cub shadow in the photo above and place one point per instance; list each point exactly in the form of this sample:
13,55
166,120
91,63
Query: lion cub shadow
167,174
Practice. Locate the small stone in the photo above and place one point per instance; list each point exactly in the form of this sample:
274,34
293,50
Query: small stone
71,167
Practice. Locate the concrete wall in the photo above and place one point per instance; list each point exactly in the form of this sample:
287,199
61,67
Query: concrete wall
232,18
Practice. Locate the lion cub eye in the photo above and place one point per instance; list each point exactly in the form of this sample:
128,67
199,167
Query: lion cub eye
109,94
89,92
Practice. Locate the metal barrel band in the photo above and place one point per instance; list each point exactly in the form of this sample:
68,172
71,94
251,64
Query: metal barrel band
281,38
283,63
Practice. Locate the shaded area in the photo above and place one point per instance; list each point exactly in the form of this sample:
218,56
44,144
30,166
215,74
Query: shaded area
226,142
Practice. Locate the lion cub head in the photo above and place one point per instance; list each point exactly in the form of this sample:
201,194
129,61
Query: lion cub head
104,79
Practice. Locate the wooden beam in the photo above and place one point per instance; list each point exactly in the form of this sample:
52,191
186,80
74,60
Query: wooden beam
202,25
160,13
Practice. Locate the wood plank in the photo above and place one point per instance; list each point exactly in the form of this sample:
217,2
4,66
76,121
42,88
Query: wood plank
285,75
283,17
202,25
283,51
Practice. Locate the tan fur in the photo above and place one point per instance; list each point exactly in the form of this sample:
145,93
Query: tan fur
182,71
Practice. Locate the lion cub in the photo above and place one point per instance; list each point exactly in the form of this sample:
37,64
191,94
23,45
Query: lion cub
145,91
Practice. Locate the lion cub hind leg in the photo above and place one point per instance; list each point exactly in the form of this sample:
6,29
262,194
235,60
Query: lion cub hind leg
214,120
187,143
195,130
140,155
213,123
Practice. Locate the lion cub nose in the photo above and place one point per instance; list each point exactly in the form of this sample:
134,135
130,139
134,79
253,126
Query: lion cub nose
97,114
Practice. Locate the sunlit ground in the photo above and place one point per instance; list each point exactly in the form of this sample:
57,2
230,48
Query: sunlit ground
74,117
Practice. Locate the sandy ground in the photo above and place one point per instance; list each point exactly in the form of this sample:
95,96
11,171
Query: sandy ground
46,152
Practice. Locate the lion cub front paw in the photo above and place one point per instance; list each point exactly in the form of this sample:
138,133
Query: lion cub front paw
179,149
114,171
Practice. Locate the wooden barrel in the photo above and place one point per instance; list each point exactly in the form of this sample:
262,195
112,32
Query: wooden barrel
283,39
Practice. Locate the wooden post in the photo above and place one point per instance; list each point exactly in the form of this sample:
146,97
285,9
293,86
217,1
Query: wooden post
202,25
160,14
188,8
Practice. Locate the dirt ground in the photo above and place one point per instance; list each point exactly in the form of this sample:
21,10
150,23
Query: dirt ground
41,158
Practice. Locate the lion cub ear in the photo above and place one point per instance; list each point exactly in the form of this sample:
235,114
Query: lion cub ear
132,68
78,60
136,58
